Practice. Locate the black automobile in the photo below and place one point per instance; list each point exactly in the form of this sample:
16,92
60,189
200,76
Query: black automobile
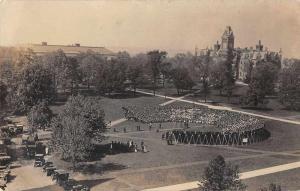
72,185
50,170
39,160
80,187
47,164
38,163
68,185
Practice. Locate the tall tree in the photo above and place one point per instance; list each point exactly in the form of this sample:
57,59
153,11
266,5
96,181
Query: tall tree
111,77
72,75
155,57
6,72
77,128
165,69
220,176
32,85
135,75
262,83
202,68
39,116
182,79
23,58
56,61
229,75
289,86
217,75
88,65
3,94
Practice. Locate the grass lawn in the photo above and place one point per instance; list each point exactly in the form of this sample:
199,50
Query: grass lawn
284,137
275,108
173,164
112,106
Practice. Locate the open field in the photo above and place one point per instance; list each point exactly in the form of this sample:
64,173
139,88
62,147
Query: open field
173,164
166,165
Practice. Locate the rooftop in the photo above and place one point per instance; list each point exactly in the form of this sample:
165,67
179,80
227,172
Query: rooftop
68,49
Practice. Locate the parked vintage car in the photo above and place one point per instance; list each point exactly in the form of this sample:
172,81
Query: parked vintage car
39,160
47,164
50,170
73,185
80,187
60,176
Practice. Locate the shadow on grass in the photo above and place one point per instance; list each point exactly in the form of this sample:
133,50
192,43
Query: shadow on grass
102,150
98,168
90,183
47,188
94,166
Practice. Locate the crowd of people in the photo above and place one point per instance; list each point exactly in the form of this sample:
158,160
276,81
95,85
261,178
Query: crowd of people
120,147
225,121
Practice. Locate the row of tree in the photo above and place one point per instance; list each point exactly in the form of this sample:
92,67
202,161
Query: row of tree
28,79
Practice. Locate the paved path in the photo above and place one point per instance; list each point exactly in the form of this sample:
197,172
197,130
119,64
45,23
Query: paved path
173,100
118,121
224,108
28,177
244,175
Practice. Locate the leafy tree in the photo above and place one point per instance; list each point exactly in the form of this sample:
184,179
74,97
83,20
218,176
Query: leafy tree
262,83
135,75
155,57
221,176
217,75
229,75
39,116
289,86
182,79
64,71
202,68
6,72
111,77
123,57
32,85
165,69
77,128
3,94
57,62
23,58
88,64
72,74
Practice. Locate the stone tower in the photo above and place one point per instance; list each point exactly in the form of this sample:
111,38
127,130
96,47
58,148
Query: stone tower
227,40
259,46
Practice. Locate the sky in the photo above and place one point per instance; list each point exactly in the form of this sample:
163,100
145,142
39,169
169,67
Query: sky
141,25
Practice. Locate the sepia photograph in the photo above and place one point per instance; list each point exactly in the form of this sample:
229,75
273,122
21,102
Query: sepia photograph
149,95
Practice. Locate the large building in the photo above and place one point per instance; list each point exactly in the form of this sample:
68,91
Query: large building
244,58
44,48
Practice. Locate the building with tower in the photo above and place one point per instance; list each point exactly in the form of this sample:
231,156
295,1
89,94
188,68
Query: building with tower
227,40
244,59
